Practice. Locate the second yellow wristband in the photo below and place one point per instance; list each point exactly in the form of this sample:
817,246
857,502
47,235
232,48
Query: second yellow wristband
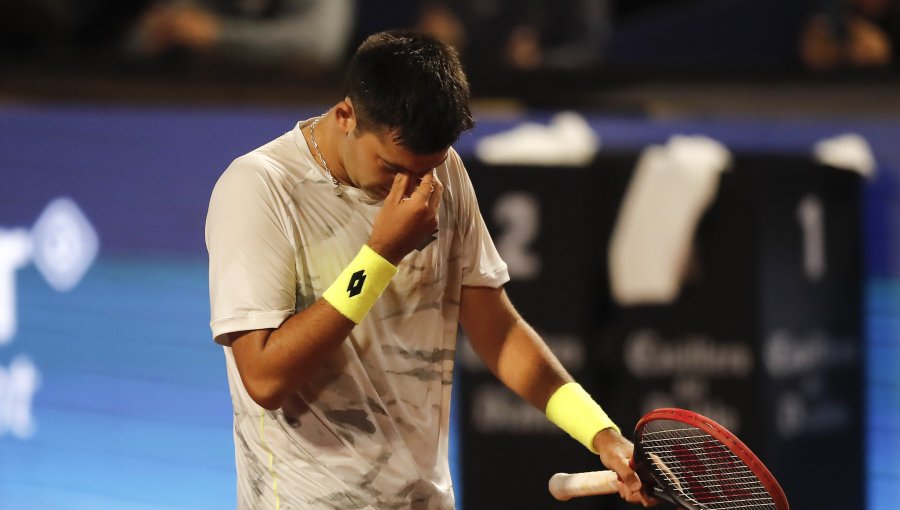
573,410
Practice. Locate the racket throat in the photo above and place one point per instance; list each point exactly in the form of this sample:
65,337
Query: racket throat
662,495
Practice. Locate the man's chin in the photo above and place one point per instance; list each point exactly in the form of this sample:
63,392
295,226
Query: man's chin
377,193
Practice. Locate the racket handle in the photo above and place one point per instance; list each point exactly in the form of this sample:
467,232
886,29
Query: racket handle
565,486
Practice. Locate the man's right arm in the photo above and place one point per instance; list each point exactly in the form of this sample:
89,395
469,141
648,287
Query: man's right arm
274,363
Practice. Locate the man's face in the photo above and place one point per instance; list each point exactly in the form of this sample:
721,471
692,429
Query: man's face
372,160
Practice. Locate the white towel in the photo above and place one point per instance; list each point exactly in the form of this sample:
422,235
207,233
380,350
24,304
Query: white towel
651,242
849,151
567,141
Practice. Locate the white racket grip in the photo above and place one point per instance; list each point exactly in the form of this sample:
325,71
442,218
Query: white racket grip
565,486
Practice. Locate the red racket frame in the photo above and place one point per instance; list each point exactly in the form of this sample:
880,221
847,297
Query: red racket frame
726,438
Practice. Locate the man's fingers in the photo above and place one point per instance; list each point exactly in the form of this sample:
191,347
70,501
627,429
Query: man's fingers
631,481
428,189
426,186
636,497
622,466
398,188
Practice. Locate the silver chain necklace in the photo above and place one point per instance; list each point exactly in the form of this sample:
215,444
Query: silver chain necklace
338,188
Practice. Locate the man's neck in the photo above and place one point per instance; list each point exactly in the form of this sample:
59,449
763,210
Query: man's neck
327,153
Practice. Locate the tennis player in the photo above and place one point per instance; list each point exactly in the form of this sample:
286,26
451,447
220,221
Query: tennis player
343,256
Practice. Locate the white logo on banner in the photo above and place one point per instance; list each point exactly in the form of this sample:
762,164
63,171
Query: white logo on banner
15,253
18,383
63,245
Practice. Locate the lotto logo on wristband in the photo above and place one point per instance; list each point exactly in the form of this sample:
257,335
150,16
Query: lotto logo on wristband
356,283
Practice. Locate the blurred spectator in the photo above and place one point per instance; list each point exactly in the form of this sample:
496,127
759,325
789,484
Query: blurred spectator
260,32
521,35
851,34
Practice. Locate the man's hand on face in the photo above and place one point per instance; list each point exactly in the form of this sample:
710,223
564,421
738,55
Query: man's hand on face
405,221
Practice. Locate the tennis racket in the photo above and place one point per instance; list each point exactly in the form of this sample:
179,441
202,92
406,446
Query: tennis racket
690,461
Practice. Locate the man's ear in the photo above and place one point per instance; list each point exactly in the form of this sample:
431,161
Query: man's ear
345,115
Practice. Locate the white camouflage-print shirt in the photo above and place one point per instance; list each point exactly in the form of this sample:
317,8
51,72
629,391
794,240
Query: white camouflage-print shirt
369,430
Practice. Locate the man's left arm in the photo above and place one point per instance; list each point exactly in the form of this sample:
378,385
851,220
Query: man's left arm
516,354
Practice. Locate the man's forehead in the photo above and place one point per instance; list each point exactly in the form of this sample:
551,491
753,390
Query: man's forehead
394,153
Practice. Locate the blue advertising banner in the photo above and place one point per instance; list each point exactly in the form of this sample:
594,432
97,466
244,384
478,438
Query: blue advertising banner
112,394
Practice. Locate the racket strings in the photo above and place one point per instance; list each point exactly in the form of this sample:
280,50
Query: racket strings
702,469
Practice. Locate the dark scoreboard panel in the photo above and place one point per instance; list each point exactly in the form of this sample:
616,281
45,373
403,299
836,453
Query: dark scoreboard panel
765,335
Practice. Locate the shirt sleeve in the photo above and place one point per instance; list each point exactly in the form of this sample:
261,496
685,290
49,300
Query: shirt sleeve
252,276
482,265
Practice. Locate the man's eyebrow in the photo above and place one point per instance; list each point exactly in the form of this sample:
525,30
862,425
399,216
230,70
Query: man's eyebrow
400,168
394,166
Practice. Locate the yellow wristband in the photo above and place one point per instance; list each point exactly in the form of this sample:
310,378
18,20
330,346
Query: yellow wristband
574,411
360,284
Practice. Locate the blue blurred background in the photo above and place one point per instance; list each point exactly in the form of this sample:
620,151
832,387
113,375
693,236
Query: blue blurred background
113,132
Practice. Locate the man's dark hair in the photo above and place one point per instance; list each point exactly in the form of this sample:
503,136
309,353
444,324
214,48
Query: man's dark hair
411,86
